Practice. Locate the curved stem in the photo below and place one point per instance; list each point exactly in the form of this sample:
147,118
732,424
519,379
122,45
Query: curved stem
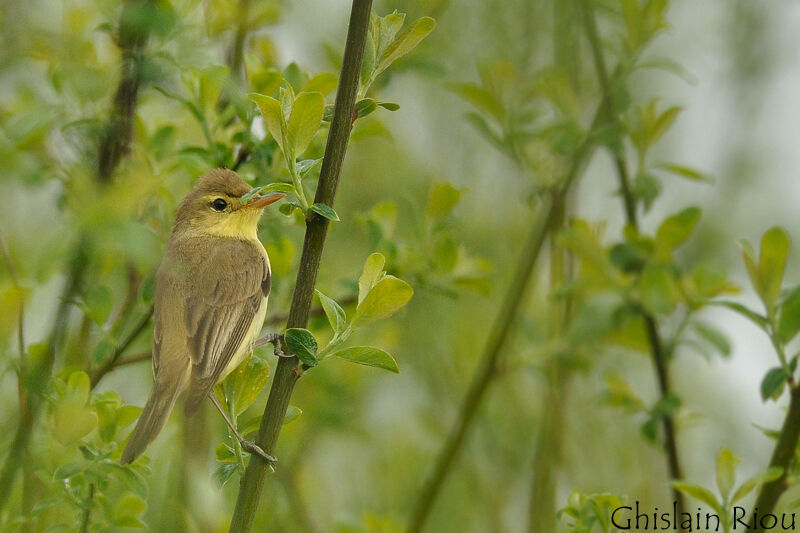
288,370
782,457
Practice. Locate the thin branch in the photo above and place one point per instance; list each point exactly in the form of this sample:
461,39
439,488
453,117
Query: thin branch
122,360
112,361
288,370
87,512
629,201
499,333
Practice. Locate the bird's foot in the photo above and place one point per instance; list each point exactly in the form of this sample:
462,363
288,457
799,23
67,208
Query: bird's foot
255,449
276,339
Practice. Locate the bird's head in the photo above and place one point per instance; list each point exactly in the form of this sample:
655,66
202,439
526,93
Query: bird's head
221,204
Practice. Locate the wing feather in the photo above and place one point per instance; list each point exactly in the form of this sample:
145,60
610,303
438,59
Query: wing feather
218,319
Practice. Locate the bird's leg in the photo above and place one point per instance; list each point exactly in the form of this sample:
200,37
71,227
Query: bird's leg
275,339
247,445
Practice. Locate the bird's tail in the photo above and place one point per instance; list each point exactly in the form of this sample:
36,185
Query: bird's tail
151,421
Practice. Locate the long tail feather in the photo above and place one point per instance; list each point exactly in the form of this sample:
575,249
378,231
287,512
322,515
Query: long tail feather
151,421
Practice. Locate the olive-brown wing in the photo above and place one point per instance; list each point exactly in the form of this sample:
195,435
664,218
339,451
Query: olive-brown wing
231,284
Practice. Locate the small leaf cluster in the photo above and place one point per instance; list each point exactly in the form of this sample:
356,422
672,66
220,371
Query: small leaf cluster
780,318
431,254
88,431
730,494
588,512
379,296
619,283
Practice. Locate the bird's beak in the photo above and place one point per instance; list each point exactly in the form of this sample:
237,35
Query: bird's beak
264,200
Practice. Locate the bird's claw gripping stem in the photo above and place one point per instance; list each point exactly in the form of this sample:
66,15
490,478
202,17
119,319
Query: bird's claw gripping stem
255,449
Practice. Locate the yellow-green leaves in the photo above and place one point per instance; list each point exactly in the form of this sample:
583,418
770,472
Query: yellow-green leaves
293,120
442,199
726,481
244,384
406,41
387,43
789,316
677,228
766,273
726,471
387,296
274,120
771,474
72,416
369,356
698,493
379,295
304,120
370,274
336,315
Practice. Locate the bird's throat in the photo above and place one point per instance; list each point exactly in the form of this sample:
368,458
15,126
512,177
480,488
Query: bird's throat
242,224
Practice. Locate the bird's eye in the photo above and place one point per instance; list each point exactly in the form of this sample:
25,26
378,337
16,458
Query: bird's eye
219,204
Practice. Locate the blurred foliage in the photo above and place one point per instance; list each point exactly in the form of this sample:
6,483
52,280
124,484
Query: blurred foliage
455,149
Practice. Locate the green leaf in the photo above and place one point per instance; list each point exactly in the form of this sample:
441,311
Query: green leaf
304,166
789,316
292,414
69,470
304,121
365,106
322,83
406,41
225,454
714,337
383,300
482,99
102,351
677,228
326,211
726,472
370,356
759,320
666,406
224,472
274,119
99,301
128,510
486,131
336,315
662,124
442,198
773,382
370,275
699,493
302,343
657,288
772,263
685,172
745,488
278,187
389,106
749,258
246,382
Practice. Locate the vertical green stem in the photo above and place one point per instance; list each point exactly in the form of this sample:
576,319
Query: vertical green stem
289,369
629,202
782,456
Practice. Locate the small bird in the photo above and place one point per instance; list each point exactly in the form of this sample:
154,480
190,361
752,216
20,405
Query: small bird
210,301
